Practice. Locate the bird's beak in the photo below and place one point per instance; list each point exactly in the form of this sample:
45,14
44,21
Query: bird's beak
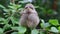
28,8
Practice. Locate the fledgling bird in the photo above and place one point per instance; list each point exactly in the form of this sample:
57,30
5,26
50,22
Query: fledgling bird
29,17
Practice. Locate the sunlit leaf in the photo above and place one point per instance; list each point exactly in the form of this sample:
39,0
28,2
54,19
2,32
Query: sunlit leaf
11,7
6,21
14,6
1,31
7,26
54,29
6,10
42,21
2,6
14,21
54,22
45,25
2,19
59,28
34,31
14,33
21,30
14,28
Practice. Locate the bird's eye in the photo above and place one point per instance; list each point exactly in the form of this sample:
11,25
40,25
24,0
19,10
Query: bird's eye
26,7
31,7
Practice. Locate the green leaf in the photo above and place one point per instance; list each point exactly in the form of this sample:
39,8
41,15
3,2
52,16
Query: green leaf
34,31
45,25
54,22
2,6
11,7
2,19
14,6
59,28
13,20
14,28
7,26
21,30
54,29
41,32
7,10
14,33
6,21
42,21
1,31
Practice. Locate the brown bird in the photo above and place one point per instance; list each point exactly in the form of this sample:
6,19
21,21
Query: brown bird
29,17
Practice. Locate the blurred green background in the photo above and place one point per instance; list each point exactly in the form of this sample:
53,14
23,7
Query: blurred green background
48,11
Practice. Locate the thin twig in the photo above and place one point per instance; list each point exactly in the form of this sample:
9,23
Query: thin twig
9,31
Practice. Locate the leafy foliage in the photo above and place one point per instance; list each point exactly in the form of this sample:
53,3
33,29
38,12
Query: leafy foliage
53,29
9,16
34,31
54,22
